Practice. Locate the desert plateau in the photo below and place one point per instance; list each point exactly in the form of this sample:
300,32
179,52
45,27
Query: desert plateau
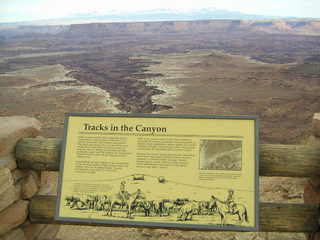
267,68
231,67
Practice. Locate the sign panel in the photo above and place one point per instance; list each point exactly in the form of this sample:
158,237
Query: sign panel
197,172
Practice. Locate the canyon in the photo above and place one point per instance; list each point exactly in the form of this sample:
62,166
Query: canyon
269,68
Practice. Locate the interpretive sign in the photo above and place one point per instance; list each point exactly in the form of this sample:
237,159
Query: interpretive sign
197,172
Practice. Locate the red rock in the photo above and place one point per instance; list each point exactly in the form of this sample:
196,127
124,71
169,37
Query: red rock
18,175
49,182
9,196
12,129
8,161
30,185
13,216
6,180
312,190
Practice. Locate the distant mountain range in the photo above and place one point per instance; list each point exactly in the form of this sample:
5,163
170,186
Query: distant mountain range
161,21
150,15
99,28
169,14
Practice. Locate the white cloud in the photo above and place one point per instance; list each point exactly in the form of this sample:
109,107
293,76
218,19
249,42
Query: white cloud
37,9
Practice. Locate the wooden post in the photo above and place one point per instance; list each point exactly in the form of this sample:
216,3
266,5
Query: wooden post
312,188
316,125
41,154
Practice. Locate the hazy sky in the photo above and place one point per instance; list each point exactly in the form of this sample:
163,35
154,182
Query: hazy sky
22,10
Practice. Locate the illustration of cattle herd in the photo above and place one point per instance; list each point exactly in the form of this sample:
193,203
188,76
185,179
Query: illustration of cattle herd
137,204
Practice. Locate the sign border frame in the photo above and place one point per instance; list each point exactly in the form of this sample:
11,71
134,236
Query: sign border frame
177,226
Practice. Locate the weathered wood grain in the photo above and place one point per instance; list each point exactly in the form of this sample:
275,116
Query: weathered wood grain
275,159
316,124
39,153
289,160
281,217
273,217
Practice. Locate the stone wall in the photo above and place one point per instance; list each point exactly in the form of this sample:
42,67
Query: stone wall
18,186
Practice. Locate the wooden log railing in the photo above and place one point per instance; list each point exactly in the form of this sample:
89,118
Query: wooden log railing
275,160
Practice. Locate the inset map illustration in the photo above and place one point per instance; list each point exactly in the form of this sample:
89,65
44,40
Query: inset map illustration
220,155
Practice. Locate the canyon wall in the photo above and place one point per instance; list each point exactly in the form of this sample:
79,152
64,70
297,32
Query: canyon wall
275,27
304,27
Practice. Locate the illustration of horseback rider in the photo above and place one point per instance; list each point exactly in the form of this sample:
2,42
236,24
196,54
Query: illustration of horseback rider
139,196
123,193
230,201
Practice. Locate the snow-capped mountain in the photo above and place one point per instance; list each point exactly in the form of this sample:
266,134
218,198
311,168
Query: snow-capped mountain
161,14
167,14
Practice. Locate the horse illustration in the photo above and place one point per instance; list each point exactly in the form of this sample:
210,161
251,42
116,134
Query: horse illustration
222,208
164,207
75,203
117,200
203,208
101,202
146,205
187,211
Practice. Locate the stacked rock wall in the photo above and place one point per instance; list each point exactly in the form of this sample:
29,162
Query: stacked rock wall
18,186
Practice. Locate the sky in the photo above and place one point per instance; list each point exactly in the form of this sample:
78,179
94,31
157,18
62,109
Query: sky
27,10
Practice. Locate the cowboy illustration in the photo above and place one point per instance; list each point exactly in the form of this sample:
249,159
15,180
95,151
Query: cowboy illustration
139,196
230,201
123,193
